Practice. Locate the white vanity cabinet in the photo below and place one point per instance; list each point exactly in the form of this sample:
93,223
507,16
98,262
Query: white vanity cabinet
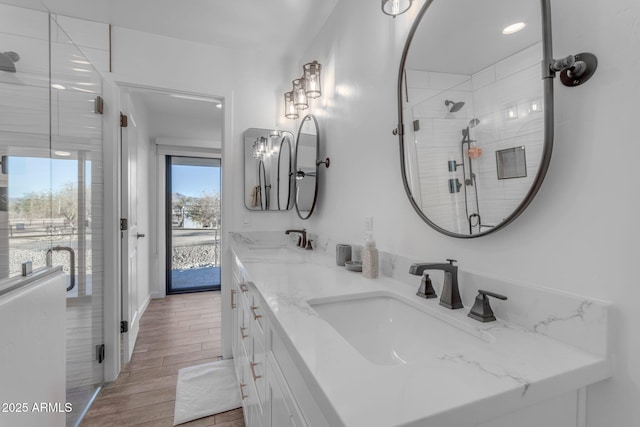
267,397
248,352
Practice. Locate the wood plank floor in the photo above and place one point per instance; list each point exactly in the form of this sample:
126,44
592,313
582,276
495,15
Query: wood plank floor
175,332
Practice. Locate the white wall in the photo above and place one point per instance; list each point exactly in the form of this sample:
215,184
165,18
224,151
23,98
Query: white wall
579,235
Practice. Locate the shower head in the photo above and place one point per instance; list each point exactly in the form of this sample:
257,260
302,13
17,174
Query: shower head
455,106
7,60
473,123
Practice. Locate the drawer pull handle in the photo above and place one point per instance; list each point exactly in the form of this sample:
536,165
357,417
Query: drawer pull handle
242,333
244,396
244,287
233,303
252,366
253,310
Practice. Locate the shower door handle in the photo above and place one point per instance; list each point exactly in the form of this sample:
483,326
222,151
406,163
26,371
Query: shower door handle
72,262
139,235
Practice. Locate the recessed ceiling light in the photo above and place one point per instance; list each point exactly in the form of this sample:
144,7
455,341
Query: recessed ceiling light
62,153
57,86
514,28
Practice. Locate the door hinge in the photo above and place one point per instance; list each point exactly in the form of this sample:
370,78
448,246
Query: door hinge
99,105
100,353
123,121
124,224
124,327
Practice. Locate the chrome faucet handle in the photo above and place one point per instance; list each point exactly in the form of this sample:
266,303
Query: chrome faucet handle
481,310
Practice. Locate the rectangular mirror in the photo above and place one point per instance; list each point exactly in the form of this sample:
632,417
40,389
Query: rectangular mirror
268,170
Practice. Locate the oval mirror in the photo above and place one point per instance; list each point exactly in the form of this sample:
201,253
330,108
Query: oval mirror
306,166
284,174
475,114
268,170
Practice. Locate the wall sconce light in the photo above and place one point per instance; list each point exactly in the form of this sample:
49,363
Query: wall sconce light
304,88
290,111
312,78
300,94
260,148
512,113
395,7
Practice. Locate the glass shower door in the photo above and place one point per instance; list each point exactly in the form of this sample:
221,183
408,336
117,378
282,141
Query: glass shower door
51,180
77,205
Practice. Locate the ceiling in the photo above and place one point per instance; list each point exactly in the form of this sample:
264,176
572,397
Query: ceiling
275,26
465,36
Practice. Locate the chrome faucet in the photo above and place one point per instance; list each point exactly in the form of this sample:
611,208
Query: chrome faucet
450,297
302,240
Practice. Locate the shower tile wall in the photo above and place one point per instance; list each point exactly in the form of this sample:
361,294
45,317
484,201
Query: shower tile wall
24,106
513,83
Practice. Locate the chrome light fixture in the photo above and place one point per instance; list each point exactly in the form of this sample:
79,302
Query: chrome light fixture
290,111
312,78
260,148
300,94
304,88
395,7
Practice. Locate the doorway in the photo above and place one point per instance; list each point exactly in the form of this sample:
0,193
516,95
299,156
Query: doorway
193,211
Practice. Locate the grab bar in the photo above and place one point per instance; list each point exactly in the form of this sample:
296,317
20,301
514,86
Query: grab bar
72,258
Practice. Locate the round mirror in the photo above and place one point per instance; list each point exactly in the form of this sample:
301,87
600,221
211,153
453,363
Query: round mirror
475,112
306,166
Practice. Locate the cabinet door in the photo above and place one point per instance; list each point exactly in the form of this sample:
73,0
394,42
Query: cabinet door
281,406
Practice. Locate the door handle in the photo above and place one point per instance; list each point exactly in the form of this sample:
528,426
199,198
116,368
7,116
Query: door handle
139,235
72,261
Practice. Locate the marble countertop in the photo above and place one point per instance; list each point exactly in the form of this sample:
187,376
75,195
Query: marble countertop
463,382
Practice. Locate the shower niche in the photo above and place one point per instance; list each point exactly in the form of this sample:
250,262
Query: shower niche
476,113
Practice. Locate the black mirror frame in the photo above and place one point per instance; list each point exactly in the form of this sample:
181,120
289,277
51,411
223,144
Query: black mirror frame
295,166
285,139
548,124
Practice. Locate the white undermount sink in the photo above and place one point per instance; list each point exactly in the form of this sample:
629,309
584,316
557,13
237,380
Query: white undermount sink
389,330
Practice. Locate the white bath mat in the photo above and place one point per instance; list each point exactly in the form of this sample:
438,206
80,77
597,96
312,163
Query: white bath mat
205,390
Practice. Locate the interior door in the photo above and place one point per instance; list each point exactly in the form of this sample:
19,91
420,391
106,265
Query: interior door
129,237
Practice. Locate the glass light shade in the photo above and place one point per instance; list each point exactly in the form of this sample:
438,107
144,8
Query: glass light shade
260,148
395,7
290,111
312,78
300,94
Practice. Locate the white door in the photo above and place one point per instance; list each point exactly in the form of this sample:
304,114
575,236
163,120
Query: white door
129,212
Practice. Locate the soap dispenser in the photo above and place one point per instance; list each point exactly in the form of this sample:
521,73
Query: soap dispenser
370,258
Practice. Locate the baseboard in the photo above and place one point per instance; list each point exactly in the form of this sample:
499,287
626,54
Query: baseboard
144,306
